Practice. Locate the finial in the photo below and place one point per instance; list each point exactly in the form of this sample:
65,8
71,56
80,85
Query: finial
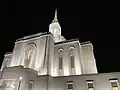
55,17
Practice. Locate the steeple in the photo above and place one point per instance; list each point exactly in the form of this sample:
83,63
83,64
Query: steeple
55,29
55,17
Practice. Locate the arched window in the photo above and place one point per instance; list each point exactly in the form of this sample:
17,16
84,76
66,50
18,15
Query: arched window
29,54
72,61
72,58
60,62
60,56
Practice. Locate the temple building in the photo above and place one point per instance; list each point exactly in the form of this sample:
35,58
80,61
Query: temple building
47,61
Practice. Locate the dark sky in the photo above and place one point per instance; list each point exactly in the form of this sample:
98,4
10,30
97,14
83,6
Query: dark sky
89,20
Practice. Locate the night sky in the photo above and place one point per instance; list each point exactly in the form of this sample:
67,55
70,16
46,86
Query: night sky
89,20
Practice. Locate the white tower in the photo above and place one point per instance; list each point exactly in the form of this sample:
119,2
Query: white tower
55,29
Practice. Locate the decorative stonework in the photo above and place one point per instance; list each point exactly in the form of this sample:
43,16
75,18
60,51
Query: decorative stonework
8,84
29,54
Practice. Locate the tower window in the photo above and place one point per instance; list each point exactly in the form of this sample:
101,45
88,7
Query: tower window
70,85
114,84
90,84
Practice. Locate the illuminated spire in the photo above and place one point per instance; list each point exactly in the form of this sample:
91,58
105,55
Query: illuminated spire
55,17
55,29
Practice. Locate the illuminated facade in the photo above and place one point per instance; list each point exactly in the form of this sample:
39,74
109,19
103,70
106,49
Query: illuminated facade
49,61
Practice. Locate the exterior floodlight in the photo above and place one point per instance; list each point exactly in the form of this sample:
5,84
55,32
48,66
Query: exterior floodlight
20,78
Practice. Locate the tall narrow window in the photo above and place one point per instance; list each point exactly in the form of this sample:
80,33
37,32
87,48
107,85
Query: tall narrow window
72,59
30,85
90,84
70,85
60,62
114,84
60,56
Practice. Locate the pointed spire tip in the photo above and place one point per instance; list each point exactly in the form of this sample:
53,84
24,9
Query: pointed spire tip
55,17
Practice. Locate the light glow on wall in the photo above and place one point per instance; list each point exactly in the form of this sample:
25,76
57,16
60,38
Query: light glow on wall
20,78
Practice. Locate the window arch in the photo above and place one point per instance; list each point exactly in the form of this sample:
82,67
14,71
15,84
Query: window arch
30,50
72,58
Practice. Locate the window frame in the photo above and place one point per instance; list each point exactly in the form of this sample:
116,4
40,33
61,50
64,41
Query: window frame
72,61
61,62
90,81
72,52
60,55
72,83
114,80
32,83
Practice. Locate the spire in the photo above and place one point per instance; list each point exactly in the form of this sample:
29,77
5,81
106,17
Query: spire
55,29
55,17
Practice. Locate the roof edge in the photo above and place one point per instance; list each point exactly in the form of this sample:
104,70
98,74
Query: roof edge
71,40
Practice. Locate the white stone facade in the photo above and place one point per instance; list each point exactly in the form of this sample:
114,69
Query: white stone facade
47,82
40,52
47,61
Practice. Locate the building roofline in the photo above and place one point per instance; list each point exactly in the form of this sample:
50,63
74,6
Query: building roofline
87,42
8,53
71,40
21,69
33,36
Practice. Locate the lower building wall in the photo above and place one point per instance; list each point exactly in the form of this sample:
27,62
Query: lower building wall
40,82
101,81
